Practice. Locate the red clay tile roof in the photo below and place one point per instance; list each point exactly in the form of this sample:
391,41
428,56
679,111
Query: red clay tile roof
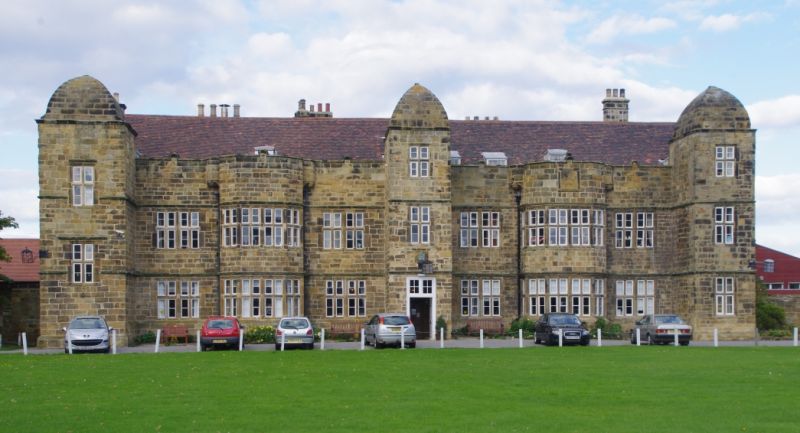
17,269
362,139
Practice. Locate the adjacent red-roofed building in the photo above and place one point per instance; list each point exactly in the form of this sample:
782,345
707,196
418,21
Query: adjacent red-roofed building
780,272
19,293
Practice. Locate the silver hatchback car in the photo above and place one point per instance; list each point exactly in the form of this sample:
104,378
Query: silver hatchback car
294,332
388,329
87,333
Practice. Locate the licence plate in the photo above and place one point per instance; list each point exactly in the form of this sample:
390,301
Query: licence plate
219,341
294,340
394,328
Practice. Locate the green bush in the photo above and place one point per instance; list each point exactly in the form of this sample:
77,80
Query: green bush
259,335
611,331
441,323
148,337
769,315
528,327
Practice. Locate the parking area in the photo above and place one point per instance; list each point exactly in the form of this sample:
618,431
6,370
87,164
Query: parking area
459,343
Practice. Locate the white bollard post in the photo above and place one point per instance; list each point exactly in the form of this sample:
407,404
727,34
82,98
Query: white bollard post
283,341
69,342
560,338
638,337
241,339
676,339
481,338
199,347
402,337
113,341
441,337
362,338
794,341
158,338
716,337
520,338
24,343
322,340
599,337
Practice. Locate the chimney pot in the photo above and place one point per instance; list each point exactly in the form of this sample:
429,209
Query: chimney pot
496,118
236,108
116,96
311,108
327,107
466,118
301,105
475,118
319,107
486,118
616,92
621,93
608,93
212,110
201,110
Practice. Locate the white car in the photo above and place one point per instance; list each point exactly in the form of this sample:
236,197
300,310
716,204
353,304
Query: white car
87,334
294,332
662,329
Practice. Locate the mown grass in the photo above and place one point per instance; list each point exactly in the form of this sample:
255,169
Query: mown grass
576,389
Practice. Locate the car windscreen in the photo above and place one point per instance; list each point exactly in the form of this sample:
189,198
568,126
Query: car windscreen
395,320
565,321
220,324
668,320
87,323
294,324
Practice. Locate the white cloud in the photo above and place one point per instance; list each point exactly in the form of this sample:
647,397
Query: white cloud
619,25
18,199
727,22
781,112
777,218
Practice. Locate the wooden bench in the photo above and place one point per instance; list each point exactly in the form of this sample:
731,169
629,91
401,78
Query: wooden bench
346,327
490,325
174,332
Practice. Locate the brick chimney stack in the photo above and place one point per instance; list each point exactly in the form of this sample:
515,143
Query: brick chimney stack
615,106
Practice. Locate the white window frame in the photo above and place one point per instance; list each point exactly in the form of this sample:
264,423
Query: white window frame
725,161
724,225
83,181
725,296
82,264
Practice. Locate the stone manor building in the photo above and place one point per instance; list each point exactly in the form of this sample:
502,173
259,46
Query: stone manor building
151,220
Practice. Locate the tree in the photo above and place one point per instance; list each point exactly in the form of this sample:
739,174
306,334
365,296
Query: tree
769,315
5,222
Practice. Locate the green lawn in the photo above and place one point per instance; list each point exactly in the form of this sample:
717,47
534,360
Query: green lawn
575,389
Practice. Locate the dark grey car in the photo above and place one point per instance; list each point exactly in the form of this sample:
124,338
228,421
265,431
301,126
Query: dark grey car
572,330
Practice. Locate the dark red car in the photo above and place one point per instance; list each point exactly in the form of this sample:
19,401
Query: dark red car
220,331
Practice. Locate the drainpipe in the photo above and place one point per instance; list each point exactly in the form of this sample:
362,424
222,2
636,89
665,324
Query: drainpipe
218,265
518,200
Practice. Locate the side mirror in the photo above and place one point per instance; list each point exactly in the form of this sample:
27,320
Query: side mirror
64,329
110,328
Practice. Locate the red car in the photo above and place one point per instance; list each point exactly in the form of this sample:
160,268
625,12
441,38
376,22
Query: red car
219,331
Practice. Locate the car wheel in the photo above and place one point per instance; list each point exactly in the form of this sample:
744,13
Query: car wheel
650,340
310,346
66,351
378,344
277,347
412,345
536,339
684,343
584,342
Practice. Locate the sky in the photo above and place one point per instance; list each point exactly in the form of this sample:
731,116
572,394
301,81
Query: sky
518,60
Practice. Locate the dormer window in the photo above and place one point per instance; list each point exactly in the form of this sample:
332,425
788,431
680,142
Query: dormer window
495,158
455,157
268,150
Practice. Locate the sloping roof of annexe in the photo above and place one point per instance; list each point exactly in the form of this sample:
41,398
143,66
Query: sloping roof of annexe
19,269
362,139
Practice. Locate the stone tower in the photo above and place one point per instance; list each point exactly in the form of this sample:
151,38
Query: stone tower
712,153
86,169
615,106
418,209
